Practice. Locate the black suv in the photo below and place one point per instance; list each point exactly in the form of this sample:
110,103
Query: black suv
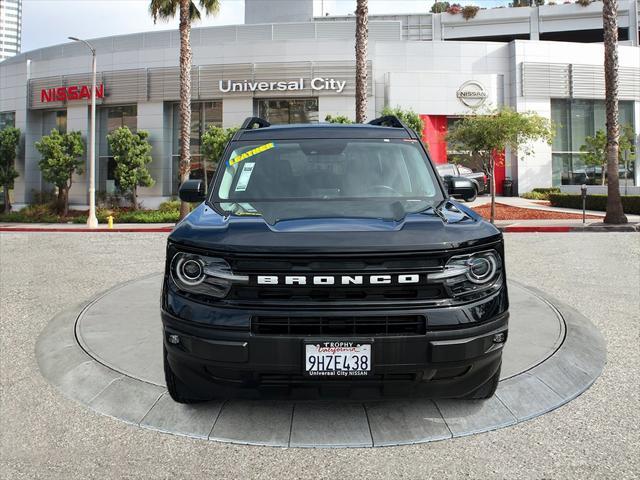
328,260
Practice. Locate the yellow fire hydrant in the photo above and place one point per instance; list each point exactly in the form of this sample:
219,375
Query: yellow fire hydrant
110,221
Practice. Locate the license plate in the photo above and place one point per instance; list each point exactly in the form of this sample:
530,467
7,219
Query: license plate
337,359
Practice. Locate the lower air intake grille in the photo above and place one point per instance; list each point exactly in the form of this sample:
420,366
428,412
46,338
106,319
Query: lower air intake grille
349,325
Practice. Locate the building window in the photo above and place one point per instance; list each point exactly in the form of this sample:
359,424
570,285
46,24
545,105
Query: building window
110,119
575,120
7,119
54,119
295,110
203,115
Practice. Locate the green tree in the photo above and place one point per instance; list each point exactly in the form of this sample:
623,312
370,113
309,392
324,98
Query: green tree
61,158
594,149
484,135
337,119
188,12
408,117
213,143
628,145
131,153
9,140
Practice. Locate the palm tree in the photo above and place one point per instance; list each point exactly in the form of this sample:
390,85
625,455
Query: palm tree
362,38
615,214
189,11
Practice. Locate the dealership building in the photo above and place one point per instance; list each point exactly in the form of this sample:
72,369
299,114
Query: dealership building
293,67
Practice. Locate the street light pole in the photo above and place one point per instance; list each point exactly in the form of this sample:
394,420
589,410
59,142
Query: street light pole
92,220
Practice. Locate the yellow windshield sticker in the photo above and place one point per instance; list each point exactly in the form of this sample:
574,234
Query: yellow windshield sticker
250,153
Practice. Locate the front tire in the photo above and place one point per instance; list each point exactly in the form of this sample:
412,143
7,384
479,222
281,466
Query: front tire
487,389
178,390
471,198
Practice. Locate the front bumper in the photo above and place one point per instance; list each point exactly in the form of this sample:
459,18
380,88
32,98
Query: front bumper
223,363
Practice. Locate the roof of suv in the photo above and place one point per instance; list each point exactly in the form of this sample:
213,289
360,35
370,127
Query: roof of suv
321,130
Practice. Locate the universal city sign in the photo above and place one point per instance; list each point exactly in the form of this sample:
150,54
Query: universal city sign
73,92
317,83
472,94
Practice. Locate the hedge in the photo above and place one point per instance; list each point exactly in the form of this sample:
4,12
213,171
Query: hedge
630,203
546,190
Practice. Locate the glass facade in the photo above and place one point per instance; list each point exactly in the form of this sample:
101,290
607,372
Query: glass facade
7,119
575,120
110,119
281,111
54,119
203,115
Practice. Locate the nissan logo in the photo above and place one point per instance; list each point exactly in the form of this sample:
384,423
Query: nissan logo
472,94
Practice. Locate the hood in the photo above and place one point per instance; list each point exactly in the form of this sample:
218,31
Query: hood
456,227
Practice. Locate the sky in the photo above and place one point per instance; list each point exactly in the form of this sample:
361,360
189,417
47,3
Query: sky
49,22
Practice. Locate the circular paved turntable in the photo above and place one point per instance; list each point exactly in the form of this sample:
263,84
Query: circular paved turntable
107,354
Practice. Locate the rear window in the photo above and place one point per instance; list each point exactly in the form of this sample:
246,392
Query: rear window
284,179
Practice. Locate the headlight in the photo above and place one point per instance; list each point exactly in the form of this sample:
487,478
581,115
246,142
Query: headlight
203,275
469,274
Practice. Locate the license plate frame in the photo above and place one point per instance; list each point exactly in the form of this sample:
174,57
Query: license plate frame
338,349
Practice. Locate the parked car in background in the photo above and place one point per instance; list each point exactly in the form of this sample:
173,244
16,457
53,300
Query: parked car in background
460,171
460,186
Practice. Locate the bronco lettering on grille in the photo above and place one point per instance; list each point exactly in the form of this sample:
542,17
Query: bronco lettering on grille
381,279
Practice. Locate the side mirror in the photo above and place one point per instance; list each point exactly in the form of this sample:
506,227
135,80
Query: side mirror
192,191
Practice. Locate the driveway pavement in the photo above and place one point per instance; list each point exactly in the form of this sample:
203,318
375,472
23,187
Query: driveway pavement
44,435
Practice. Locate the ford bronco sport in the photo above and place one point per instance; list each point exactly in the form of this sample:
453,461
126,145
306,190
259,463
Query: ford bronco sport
329,260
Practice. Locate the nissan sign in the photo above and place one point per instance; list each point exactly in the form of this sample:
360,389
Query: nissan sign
72,92
472,94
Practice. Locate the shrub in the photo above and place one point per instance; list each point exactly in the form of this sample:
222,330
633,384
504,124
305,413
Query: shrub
337,119
32,214
469,11
454,9
535,196
630,203
540,193
440,7
547,190
169,206
584,3
148,216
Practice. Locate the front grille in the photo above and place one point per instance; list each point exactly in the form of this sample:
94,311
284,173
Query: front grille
343,325
364,292
346,264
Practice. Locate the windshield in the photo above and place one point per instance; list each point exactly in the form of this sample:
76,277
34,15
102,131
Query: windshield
314,178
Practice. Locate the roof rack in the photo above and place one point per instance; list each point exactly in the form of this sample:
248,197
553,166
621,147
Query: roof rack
249,123
394,122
